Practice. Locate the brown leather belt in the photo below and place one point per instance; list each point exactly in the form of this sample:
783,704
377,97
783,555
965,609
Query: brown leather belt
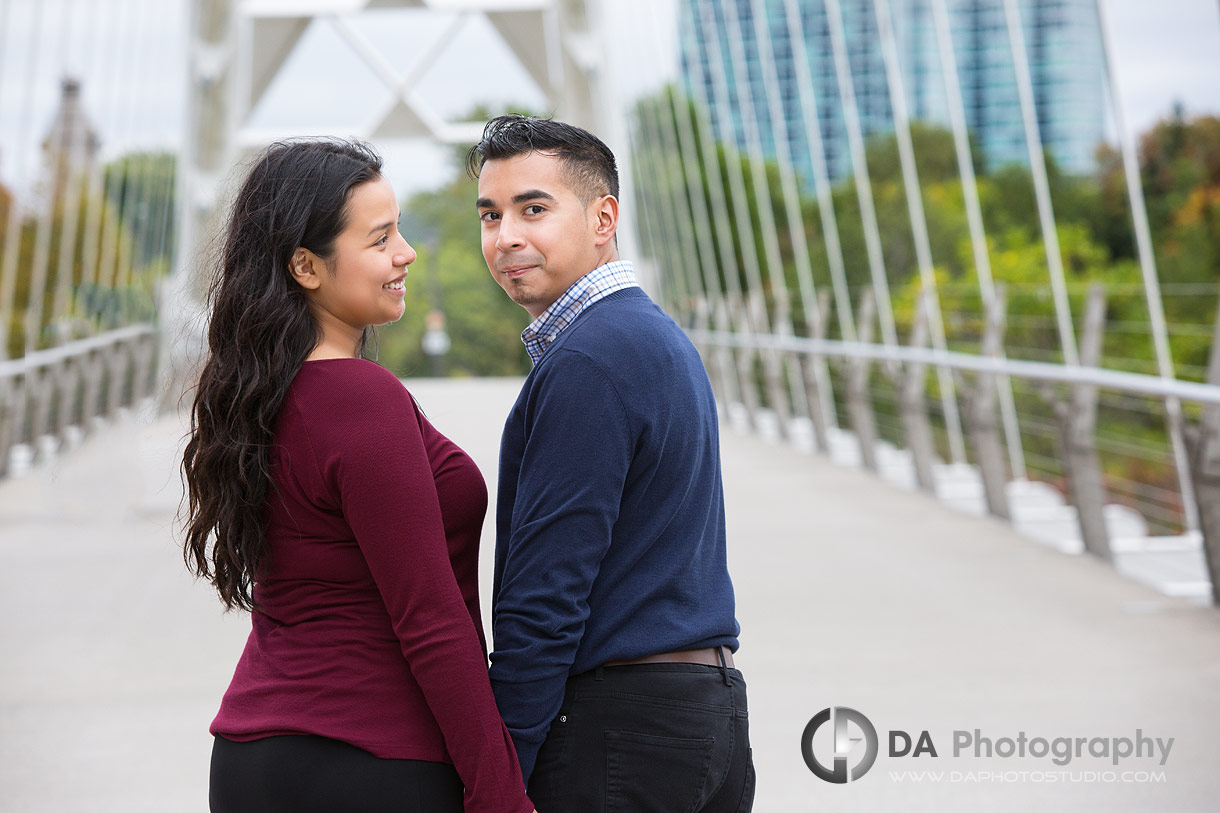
706,656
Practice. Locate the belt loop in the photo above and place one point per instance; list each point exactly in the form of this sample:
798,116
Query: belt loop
599,674
724,667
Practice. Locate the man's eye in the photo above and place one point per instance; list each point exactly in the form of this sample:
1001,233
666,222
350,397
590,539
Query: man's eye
535,209
487,217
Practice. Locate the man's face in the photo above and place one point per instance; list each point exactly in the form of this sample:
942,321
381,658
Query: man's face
538,236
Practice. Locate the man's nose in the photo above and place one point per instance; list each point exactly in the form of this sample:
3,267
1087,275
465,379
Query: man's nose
508,236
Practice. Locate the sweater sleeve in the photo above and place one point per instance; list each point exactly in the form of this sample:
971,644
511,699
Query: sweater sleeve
389,499
578,448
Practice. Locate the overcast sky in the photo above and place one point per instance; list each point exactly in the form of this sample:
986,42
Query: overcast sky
1165,50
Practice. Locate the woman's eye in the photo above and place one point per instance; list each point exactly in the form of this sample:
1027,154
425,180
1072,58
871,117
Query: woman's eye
385,238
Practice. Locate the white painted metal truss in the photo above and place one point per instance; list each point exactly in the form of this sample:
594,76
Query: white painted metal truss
240,48
541,35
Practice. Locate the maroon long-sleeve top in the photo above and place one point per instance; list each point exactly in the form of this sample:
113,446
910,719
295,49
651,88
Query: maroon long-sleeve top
368,629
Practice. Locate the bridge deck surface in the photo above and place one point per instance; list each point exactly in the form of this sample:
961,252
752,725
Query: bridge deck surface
851,592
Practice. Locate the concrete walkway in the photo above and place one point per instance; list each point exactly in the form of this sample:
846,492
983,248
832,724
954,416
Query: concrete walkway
851,592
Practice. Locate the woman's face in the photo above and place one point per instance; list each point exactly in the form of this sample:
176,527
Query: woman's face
364,282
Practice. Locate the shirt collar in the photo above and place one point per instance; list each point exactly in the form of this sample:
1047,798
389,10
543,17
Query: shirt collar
597,284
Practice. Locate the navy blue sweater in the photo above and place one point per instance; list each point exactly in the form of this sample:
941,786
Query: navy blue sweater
610,538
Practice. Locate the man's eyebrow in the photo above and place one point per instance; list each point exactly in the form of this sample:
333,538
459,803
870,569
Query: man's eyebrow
529,194
533,194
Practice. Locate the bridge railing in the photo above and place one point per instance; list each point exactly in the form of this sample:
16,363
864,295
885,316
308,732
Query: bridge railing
782,385
790,194
49,396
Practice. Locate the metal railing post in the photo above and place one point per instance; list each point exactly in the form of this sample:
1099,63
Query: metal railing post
41,386
116,364
912,381
702,319
8,420
1203,445
859,407
144,350
66,377
982,427
817,378
773,364
1077,422
94,371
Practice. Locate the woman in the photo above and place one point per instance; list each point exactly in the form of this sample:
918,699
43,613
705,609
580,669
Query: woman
320,499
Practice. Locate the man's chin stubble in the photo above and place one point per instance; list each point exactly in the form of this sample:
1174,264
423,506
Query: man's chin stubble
521,295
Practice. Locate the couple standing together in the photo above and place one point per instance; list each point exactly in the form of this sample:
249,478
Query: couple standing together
322,499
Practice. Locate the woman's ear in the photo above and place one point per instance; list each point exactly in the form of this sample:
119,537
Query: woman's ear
305,267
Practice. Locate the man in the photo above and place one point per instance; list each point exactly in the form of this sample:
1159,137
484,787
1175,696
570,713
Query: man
613,610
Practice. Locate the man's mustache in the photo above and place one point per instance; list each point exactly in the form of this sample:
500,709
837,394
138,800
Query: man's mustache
518,262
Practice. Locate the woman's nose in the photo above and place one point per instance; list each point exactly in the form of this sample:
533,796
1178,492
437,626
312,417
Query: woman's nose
406,255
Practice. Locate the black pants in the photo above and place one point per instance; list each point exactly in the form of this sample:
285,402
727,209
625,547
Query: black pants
307,773
648,738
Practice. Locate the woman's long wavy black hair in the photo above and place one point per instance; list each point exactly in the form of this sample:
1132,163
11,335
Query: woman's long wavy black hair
261,331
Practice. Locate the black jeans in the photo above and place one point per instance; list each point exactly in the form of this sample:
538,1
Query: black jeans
303,773
648,738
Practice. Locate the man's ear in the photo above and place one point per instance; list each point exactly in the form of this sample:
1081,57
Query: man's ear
306,269
606,223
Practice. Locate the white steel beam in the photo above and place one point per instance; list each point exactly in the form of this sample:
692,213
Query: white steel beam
821,180
860,173
919,223
1042,188
1152,282
974,219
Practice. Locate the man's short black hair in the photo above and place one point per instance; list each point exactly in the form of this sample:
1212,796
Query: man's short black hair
588,163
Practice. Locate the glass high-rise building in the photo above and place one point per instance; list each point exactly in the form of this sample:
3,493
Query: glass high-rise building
722,59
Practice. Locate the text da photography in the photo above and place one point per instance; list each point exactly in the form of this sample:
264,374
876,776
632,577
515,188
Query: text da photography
840,745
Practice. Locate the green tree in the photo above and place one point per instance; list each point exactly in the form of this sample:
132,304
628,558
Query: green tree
1180,172
143,185
104,289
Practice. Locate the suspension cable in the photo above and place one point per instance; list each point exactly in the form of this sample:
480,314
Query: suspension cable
974,221
864,190
919,224
1148,269
1042,189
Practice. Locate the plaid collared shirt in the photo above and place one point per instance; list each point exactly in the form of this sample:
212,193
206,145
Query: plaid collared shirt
597,284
